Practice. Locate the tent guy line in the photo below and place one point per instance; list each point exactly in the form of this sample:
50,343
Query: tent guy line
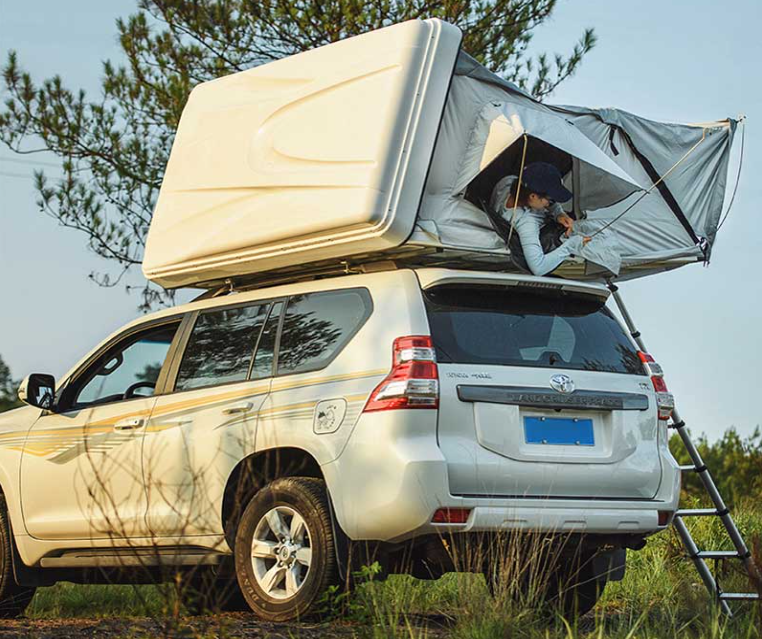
652,187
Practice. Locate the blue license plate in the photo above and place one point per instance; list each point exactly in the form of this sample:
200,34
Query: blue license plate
559,431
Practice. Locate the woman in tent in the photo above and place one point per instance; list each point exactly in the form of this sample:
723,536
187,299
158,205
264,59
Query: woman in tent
528,205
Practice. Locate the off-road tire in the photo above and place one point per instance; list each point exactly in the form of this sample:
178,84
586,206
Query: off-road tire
582,598
568,588
306,496
13,598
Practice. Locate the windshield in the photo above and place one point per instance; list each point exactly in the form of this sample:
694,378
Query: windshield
510,326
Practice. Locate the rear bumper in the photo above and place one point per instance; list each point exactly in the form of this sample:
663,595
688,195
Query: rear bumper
548,516
392,477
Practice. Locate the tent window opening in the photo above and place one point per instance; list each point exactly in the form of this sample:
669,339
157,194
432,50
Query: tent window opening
479,190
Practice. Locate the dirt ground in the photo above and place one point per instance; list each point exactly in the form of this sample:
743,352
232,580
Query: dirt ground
222,625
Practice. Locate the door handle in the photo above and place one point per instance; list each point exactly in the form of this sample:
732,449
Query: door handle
245,407
129,424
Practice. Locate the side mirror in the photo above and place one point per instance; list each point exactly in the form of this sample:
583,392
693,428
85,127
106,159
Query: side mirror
38,389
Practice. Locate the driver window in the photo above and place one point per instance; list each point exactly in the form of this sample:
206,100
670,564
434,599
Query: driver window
128,370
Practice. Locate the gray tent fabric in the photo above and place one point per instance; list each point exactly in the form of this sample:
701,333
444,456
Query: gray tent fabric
466,66
500,124
697,184
478,122
615,158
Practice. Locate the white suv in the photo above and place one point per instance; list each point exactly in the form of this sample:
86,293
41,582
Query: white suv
264,433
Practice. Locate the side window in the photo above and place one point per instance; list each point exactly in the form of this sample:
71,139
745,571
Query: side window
128,370
263,360
220,346
318,325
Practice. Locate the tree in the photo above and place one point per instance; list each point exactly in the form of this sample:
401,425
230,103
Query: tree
113,149
8,397
734,461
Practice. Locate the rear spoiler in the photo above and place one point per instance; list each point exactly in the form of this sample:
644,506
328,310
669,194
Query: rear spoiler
431,277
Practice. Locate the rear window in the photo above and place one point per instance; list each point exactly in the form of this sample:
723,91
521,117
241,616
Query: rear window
317,326
514,327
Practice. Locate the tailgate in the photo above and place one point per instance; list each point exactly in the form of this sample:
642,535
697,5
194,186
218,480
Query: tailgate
542,394
505,431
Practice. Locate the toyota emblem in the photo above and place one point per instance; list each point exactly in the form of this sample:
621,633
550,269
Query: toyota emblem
562,383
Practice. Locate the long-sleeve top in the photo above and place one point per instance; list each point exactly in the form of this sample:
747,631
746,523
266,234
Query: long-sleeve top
527,224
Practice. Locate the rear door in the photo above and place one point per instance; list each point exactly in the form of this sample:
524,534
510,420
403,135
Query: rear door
207,424
542,395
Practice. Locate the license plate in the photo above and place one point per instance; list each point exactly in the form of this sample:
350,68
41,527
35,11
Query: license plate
559,431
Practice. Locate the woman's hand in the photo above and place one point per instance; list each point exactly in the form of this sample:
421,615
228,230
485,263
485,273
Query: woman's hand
567,222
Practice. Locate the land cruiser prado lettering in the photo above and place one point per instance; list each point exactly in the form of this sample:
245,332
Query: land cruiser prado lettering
368,376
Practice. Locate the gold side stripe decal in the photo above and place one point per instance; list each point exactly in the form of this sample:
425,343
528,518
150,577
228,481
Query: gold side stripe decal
44,442
202,401
280,386
310,405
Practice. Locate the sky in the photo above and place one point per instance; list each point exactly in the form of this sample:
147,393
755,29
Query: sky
666,60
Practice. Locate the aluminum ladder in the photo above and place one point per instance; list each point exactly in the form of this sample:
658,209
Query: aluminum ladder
720,509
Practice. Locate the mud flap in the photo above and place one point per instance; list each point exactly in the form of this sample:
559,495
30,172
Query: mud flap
610,565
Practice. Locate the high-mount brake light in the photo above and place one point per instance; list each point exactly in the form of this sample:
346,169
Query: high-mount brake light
414,379
665,401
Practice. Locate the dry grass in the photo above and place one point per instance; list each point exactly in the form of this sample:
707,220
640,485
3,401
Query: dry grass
660,597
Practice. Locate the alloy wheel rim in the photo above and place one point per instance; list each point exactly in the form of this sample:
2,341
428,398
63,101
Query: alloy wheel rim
281,552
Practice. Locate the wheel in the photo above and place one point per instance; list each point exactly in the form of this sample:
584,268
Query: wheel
285,557
568,586
582,597
573,588
13,598
575,594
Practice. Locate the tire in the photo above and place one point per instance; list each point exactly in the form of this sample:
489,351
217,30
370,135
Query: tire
285,557
14,599
573,589
581,598
569,587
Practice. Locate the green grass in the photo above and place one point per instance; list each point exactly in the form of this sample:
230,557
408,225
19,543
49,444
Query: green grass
66,600
660,597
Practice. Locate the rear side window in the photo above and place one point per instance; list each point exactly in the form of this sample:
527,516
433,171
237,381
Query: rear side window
220,347
513,327
318,325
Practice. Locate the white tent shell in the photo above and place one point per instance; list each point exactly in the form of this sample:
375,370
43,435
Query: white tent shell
378,148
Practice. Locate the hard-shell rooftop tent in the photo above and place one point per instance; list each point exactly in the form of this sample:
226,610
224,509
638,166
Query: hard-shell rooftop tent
385,147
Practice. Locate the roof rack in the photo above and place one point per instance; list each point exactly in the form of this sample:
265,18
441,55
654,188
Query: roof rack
406,256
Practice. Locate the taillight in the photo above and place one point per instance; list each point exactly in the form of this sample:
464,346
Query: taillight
413,381
451,516
664,399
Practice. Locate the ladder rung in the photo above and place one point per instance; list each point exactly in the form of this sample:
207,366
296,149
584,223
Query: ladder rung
739,596
696,512
720,510
718,554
